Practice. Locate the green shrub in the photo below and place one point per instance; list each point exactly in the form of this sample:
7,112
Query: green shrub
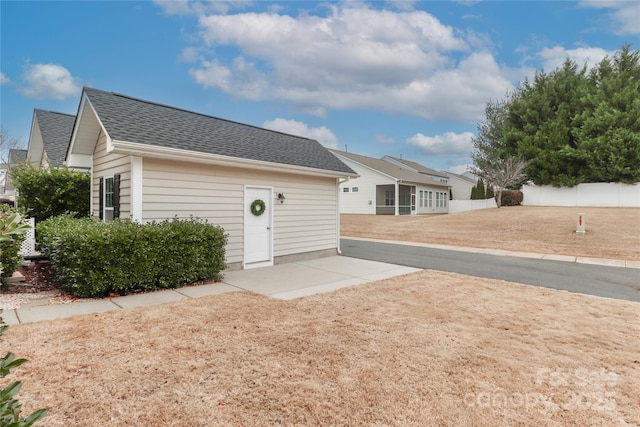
511,198
10,258
90,258
45,193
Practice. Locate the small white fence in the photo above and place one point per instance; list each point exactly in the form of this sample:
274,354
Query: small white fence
596,194
456,206
28,246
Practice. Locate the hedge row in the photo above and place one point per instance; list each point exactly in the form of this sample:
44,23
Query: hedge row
90,258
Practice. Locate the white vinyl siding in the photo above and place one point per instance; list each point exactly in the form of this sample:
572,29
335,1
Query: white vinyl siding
305,222
362,200
107,165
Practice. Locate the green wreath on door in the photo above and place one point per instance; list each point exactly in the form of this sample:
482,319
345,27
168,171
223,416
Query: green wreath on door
258,207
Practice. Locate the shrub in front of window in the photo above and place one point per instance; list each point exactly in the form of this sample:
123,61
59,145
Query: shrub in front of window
90,258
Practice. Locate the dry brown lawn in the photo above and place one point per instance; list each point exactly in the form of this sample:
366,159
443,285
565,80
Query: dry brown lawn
611,232
431,348
427,349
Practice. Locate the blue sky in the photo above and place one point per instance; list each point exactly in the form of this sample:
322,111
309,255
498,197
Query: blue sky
403,78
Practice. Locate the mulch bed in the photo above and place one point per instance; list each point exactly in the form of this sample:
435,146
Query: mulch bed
37,278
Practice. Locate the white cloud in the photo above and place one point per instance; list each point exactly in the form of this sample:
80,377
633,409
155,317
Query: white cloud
624,14
50,81
354,57
189,7
448,144
402,4
190,54
555,56
4,79
321,134
384,139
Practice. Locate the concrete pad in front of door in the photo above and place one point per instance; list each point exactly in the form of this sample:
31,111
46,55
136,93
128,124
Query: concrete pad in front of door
298,279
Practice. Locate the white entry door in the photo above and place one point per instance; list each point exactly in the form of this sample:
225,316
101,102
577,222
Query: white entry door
258,224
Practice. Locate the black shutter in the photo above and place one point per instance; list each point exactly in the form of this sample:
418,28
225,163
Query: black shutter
116,196
101,199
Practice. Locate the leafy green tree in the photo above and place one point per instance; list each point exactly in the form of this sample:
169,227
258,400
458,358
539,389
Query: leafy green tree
608,128
570,126
540,123
48,192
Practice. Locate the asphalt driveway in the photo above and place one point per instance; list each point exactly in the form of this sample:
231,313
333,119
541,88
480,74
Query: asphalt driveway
598,280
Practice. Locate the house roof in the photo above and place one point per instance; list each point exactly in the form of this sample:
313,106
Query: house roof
391,169
418,167
463,177
55,129
132,120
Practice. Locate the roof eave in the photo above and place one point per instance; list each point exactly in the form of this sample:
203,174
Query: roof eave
167,153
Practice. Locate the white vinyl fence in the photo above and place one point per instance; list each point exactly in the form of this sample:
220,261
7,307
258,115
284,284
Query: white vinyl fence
456,206
596,194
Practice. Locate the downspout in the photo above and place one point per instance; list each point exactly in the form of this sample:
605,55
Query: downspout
338,182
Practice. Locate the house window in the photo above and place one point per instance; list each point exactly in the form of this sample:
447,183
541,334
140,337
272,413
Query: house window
354,190
108,199
421,198
345,190
430,199
389,199
441,199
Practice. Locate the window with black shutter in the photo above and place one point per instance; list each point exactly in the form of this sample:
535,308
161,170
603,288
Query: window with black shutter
110,197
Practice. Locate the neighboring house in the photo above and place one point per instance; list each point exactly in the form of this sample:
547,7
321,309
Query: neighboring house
385,188
15,157
418,168
461,186
151,162
49,138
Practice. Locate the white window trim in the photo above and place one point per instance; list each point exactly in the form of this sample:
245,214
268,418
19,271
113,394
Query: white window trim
104,197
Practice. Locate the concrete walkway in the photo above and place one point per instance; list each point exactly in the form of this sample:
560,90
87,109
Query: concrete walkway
283,281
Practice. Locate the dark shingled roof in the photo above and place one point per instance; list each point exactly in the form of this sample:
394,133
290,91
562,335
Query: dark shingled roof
55,129
133,120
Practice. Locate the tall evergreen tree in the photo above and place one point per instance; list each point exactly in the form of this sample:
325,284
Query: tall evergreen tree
540,125
608,128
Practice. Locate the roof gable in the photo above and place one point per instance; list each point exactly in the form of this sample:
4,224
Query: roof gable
55,130
132,120
461,177
391,169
